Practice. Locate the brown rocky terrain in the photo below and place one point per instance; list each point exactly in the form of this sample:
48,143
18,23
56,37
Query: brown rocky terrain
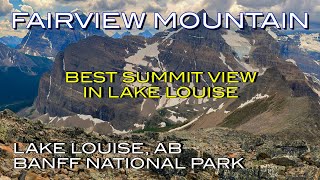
266,157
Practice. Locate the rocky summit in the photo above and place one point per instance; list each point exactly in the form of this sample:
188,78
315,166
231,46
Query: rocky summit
266,157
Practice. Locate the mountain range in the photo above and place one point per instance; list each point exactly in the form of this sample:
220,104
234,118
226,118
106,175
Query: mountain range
302,48
284,101
48,42
11,41
146,34
119,36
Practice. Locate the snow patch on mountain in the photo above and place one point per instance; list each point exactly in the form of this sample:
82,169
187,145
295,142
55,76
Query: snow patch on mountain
198,37
186,125
215,110
271,33
316,91
253,99
171,41
292,61
138,59
26,40
169,102
50,83
162,124
142,105
310,42
47,39
203,100
173,101
250,68
64,65
313,77
116,131
89,117
51,118
314,80
223,58
80,116
141,126
176,119
239,44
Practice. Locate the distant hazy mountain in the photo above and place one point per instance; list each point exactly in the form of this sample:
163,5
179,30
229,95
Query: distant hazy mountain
127,33
119,36
302,48
19,76
116,36
11,41
146,34
47,43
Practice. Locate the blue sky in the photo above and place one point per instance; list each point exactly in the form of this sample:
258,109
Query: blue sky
16,3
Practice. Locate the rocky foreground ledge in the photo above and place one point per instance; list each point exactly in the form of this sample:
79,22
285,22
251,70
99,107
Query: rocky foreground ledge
266,157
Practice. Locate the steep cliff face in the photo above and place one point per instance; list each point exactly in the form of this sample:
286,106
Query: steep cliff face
48,42
11,58
181,50
105,54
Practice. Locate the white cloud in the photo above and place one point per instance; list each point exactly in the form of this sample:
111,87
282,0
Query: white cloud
38,5
6,29
5,7
259,4
26,8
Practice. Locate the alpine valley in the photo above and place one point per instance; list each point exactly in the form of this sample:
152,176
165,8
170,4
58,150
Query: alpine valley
19,75
23,61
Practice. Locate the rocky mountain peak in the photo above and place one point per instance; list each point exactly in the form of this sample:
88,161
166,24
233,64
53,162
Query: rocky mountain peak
48,42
